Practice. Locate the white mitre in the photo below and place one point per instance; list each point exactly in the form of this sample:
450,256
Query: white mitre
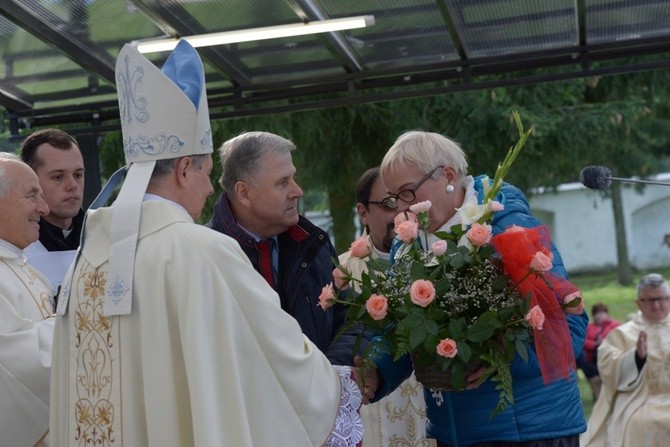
164,115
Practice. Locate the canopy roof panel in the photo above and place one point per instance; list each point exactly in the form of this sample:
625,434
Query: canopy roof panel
58,56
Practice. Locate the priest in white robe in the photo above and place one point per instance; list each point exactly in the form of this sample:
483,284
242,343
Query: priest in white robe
26,310
634,363
165,334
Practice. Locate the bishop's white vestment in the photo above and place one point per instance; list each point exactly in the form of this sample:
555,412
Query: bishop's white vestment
398,419
205,358
634,407
26,331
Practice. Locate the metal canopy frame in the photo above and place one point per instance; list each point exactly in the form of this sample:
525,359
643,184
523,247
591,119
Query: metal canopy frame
58,56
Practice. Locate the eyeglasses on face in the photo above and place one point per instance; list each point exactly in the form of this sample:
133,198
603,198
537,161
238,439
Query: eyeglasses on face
407,195
654,299
387,205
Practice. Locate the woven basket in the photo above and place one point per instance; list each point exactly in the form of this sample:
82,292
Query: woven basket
432,376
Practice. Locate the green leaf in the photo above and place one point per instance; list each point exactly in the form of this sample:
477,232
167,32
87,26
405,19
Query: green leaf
457,375
464,351
457,261
456,328
430,327
416,336
480,331
521,349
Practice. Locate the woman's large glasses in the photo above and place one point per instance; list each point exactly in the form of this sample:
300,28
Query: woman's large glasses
406,195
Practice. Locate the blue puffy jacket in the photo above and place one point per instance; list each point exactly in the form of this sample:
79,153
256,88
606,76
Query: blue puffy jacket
539,411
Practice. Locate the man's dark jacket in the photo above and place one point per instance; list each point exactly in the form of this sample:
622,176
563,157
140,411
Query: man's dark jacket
52,238
305,266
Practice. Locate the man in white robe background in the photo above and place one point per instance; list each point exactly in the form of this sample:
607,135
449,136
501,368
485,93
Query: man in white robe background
399,418
165,334
634,364
26,310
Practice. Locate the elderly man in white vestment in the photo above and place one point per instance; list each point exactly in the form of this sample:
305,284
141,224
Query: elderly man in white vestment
165,334
633,409
26,310
400,418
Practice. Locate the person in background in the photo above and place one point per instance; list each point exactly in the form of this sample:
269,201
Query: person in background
595,333
55,157
258,207
634,365
424,166
26,310
165,334
400,417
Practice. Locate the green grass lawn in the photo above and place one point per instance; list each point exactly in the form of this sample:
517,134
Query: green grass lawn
603,287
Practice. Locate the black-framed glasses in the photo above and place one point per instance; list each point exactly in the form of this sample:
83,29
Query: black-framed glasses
407,195
387,205
654,299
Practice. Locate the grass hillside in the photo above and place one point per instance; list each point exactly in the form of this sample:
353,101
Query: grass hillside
603,287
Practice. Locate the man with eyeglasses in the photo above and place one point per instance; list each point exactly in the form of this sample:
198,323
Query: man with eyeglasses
634,364
400,416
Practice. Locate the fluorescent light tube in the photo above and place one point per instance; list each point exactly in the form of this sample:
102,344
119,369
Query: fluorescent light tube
249,35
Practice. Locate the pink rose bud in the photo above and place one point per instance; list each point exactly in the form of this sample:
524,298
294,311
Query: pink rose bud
541,262
439,247
447,348
496,206
574,309
327,297
404,217
341,278
421,207
535,317
360,248
479,234
377,306
407,231
422,292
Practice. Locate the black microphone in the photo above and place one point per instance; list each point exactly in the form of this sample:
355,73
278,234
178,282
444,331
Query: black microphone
600,177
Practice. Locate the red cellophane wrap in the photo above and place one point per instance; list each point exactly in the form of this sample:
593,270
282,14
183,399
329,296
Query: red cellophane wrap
553,344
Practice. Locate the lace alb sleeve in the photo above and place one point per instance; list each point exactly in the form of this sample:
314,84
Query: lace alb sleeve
348,429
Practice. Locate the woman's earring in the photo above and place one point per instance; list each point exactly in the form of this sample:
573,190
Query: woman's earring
449,188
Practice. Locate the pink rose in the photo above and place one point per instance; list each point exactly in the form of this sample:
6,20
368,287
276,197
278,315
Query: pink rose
422,292
421,207
407,231
360,248
377,306
439,247
327,297
341,278
574,309
535,317
542,262
404,217
496,206
479,234
447,348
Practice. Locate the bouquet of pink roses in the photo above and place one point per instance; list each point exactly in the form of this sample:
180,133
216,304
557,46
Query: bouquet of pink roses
469,299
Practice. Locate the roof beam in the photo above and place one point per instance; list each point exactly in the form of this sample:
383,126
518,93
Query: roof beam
337,45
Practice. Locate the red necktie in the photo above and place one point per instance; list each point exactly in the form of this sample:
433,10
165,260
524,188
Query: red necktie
265,257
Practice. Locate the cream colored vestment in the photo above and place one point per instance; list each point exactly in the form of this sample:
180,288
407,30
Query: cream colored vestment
206,357
26,331
633,408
